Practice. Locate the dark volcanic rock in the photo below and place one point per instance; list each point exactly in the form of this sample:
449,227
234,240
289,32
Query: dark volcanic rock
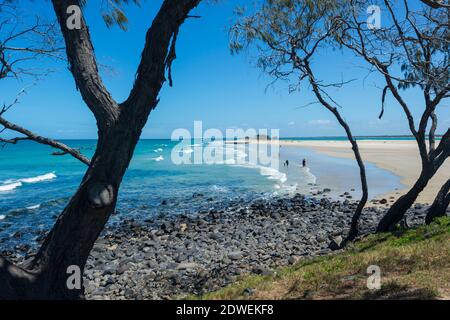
168,256
335,243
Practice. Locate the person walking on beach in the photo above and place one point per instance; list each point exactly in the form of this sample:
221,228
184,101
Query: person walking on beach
304,163
287,163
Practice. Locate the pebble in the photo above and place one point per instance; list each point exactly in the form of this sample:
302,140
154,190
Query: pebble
163,257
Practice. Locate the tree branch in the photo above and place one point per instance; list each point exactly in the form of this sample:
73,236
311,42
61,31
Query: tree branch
83,65
443,145
17,280
157,55
32,136
432,134
436,4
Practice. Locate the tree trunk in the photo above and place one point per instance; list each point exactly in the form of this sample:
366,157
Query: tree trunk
397,211
76,230
430,166
353,233
440,204
354,230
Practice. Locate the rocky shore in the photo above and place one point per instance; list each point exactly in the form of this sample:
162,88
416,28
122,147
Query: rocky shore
164,258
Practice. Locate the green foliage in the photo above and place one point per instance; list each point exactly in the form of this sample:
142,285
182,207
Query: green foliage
113,12
414,264
439,227
286,33
280,21
417,44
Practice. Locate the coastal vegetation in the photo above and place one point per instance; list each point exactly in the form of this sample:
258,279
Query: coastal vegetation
119,128
410,51
289,36
414,265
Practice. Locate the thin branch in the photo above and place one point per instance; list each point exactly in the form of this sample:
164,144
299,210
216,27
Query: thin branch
83,65
16,101
13,140
42,140
436,4
164,29
432,136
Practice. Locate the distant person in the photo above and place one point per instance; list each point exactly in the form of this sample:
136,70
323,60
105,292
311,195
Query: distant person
287,163
304,163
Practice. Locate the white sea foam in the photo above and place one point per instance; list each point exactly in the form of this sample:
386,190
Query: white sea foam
216,142
219,188
34,207
272,174
224,154
160,158
10,187
241,154
158,150
228,161
269,172
310,178
232,153
2,217
11,184
44,177
290,189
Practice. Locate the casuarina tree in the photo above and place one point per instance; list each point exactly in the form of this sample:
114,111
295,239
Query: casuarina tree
289,35
410,51
119,127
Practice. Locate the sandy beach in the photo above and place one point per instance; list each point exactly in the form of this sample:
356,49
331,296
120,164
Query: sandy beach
400,157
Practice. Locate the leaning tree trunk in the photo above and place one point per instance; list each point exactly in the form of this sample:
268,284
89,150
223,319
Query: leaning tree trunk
397,211
429,168
86,214
353,233
354,230
440,203
76,230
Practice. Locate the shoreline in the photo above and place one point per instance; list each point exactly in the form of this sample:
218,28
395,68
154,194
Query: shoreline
174,257
167,257
399,157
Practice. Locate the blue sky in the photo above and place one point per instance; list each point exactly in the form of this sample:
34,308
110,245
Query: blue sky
210,84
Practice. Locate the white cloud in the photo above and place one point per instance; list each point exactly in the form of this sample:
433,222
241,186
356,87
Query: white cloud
291,123
320,122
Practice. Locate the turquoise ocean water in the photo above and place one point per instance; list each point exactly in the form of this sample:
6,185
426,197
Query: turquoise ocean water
35,186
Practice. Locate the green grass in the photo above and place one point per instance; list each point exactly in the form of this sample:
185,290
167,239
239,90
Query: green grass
414,263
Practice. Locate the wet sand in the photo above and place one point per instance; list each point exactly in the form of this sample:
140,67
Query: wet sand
397,156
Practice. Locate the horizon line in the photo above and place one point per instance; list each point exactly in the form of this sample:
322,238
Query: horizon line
285,138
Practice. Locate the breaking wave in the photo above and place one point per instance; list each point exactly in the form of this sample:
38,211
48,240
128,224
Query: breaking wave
12,184
10,187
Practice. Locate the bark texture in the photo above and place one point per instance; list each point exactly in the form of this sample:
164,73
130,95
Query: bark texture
42,140
430,165
353,233
440,203
119,128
